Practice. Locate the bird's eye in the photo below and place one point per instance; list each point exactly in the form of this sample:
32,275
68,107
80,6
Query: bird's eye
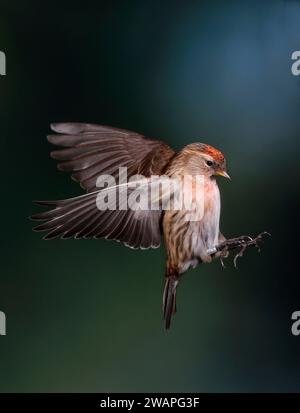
209,163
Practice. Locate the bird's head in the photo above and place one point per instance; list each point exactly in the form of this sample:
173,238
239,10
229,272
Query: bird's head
204,159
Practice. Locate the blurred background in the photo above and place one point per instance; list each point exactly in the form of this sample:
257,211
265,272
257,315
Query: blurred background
85,315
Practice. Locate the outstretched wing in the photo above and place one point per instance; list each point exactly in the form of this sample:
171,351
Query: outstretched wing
92,150
88,152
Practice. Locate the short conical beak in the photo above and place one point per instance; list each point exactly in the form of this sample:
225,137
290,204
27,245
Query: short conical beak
223,173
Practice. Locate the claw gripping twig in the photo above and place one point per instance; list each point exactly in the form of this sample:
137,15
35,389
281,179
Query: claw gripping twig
242,243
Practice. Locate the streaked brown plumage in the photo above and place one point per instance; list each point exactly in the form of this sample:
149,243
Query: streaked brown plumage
93,150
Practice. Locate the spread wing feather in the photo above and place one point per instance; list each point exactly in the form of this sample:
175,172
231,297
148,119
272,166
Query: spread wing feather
93,150
88,152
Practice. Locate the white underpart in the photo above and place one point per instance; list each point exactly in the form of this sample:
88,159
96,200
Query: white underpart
205,233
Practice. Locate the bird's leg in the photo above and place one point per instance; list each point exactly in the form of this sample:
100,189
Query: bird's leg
242,243
224,254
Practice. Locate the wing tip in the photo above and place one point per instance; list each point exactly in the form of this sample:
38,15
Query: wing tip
70,127
45,203
58,127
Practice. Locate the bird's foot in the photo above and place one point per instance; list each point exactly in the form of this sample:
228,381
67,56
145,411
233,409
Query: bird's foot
241,243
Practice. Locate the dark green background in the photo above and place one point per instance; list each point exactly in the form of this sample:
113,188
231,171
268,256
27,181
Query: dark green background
86,315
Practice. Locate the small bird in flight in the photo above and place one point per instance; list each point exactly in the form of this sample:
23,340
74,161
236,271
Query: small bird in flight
90,151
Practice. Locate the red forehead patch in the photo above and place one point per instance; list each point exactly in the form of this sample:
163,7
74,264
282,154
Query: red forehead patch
215,153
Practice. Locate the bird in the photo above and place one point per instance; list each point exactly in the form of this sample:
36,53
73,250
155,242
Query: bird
90,150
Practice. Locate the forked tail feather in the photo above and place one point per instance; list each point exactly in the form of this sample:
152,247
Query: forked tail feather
169,298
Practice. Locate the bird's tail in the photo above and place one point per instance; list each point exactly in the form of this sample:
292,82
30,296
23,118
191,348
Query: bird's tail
169,298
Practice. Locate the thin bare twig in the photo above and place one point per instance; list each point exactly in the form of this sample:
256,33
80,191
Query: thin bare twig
242,243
